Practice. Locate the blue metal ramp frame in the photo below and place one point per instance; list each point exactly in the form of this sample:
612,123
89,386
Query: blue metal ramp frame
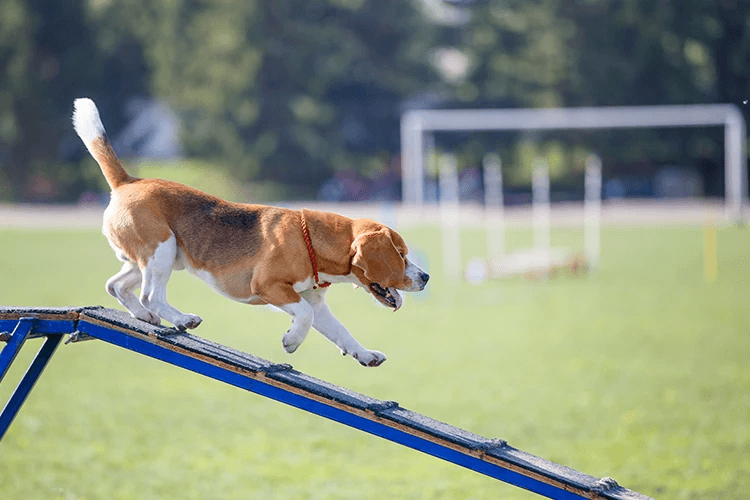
280,382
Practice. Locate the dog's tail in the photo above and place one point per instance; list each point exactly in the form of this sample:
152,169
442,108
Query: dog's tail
89,128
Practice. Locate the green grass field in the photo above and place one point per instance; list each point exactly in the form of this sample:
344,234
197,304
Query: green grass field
639,371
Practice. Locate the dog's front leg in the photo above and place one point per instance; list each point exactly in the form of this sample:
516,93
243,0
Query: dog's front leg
302,319
327,324
283,296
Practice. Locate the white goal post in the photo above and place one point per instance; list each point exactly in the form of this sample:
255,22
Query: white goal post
415,124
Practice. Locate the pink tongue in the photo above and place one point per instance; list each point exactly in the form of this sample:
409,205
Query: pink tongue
397,297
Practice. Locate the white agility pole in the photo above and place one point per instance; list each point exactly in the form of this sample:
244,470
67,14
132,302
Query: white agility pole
540,206
412,159
494,205
542,255
592,210
448,187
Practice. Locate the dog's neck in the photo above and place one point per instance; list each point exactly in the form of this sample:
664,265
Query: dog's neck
325,231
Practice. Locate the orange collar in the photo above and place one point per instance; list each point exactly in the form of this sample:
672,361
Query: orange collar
306,235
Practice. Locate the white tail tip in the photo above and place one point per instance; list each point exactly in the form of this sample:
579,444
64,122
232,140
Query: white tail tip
86,121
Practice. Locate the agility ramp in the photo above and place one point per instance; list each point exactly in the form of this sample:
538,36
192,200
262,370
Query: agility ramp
280,382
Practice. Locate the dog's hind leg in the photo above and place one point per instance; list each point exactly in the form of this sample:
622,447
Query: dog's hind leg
122,285
156,274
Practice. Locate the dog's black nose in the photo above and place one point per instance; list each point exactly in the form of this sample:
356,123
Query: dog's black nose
424,277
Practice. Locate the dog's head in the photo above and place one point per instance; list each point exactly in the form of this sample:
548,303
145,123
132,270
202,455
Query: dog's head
380,263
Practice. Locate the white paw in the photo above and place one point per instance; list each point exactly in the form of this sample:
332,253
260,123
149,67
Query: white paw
369,358
187,321
148,317
291,341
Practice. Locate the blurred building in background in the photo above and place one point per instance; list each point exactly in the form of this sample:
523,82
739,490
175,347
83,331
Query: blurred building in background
152,131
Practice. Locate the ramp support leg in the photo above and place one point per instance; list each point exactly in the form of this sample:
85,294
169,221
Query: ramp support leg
15,342
8,354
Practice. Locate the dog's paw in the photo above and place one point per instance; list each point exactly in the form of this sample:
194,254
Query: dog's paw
370,358
291,341
148,317
187,321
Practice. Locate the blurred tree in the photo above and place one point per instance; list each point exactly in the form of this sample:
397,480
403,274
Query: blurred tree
270,87
296,90
334,74
201,58
664,52
615,52
48,57
521,52
15,54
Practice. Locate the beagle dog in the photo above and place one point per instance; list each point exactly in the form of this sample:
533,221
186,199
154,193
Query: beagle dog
249,253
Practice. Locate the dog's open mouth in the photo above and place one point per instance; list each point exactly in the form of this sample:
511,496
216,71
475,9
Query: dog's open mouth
389,297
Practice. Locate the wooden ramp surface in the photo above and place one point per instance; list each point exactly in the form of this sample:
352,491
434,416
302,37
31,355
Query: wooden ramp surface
492,457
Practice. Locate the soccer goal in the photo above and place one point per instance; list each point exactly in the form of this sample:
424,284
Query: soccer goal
416,124
418,127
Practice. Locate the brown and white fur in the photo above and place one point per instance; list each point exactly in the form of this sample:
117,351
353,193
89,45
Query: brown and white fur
254,254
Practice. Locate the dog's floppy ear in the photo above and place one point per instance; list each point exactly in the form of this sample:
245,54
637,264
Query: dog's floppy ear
377,257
